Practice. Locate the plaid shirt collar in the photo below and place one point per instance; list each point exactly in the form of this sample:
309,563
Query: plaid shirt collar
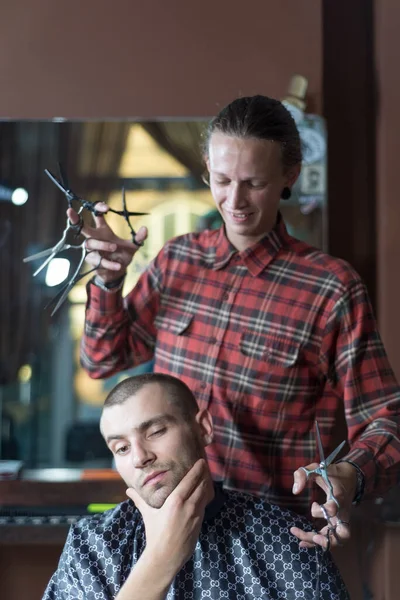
257,257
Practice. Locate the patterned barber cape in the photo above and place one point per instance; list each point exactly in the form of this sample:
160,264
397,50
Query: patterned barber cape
245,551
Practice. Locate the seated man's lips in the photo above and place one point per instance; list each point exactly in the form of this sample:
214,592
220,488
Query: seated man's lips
153,477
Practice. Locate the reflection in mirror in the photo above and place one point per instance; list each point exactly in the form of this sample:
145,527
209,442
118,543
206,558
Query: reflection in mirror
49,407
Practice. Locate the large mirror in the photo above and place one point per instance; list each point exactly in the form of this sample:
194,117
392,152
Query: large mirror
49,407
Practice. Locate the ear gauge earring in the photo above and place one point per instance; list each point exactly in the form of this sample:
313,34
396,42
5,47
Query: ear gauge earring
286,193
205,178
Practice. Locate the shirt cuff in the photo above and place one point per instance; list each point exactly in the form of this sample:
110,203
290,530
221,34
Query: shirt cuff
102,302
365,461
360,483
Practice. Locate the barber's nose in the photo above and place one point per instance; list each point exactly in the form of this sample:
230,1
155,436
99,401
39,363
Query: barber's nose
235,197
141,455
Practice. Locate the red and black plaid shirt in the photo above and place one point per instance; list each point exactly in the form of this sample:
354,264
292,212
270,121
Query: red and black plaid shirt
269,340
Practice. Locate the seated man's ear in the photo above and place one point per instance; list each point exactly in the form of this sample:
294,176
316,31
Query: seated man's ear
204,420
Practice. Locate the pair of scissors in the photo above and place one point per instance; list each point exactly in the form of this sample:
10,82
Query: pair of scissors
324,463
69,239
72,233
322,471
64,186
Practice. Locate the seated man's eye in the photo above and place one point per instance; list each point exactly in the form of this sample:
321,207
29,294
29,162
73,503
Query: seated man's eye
121,450
158,432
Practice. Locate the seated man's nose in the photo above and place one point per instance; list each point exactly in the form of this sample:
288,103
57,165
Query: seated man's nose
142,457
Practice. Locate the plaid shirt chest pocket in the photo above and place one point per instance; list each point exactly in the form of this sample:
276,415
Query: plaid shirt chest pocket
173,342
172,323
275,350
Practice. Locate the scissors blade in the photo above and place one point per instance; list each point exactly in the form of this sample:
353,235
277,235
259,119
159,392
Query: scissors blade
333,454
65,290
38,255
320,449
130,214
45,263
63,176
55,180
54,251
61,296
63,293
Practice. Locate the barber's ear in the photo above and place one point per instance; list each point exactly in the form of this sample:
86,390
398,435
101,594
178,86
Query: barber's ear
204,421
292,175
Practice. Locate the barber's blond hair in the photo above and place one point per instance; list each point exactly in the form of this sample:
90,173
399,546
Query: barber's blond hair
259,117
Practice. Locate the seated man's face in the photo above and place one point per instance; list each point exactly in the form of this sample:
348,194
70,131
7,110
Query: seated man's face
153,445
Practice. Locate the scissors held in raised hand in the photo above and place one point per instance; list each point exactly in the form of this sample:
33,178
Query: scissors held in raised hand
72,231
64,186
322,468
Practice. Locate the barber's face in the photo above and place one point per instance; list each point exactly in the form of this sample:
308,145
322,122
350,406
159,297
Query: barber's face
247,178
153,446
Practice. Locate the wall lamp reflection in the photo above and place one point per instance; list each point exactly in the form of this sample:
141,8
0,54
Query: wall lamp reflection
57,271
17,196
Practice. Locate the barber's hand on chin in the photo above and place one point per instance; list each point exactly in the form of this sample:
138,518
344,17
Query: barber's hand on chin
344,481
115,252
173,530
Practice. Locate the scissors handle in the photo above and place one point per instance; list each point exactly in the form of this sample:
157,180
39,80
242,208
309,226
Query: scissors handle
321,470
310,472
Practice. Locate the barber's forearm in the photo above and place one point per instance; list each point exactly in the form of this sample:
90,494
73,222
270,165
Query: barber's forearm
148,580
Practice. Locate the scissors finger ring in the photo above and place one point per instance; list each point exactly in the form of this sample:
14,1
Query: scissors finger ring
306,471
340,522
327,517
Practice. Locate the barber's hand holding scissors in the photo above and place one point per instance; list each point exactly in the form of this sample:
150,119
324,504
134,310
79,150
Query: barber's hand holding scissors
109,252
339,482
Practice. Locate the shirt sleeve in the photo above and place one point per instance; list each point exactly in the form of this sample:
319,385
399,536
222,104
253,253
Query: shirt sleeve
119,333
359,371
65,584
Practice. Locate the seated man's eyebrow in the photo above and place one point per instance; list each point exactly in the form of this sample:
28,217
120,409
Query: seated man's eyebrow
159,420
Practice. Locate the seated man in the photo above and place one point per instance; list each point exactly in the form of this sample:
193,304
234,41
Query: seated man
186,537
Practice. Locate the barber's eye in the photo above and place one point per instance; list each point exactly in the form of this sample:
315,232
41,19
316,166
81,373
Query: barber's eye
255,185
222,182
